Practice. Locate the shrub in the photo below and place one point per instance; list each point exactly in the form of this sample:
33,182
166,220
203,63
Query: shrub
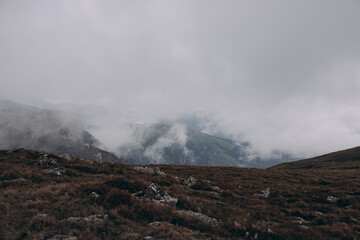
10,175
121,183
116,197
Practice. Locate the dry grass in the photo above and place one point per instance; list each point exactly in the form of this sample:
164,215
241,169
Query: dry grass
297,207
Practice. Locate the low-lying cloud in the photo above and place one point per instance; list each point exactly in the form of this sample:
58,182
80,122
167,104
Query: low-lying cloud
282,75
23,126
176,135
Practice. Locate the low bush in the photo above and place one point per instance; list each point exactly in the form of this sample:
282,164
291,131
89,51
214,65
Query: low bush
123,184
116,197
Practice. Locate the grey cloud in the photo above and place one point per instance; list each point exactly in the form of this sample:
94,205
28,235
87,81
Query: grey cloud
284,75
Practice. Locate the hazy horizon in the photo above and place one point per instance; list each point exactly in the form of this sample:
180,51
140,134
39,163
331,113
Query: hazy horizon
282,75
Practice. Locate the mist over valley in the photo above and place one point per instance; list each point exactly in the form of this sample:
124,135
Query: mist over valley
181,119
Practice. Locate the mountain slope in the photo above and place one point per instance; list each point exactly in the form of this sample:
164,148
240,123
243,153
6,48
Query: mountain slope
345,159
23,126
167,144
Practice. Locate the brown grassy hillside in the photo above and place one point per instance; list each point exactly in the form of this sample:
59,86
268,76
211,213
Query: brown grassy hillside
47,196
345,159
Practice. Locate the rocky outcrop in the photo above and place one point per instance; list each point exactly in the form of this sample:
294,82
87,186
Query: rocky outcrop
156,193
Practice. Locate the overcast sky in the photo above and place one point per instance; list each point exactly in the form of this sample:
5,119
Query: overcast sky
283,74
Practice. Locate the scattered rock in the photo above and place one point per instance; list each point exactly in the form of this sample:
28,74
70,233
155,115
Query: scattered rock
16,180
301,221
270,223
19,180
41,215
45,160
66,157
138,194
55,171
237,225
216,189
190,181
60,237
155,224
159,172
94,195
264,193
91,218
332,199
144,169
150,170
157,193
199,216
148,238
